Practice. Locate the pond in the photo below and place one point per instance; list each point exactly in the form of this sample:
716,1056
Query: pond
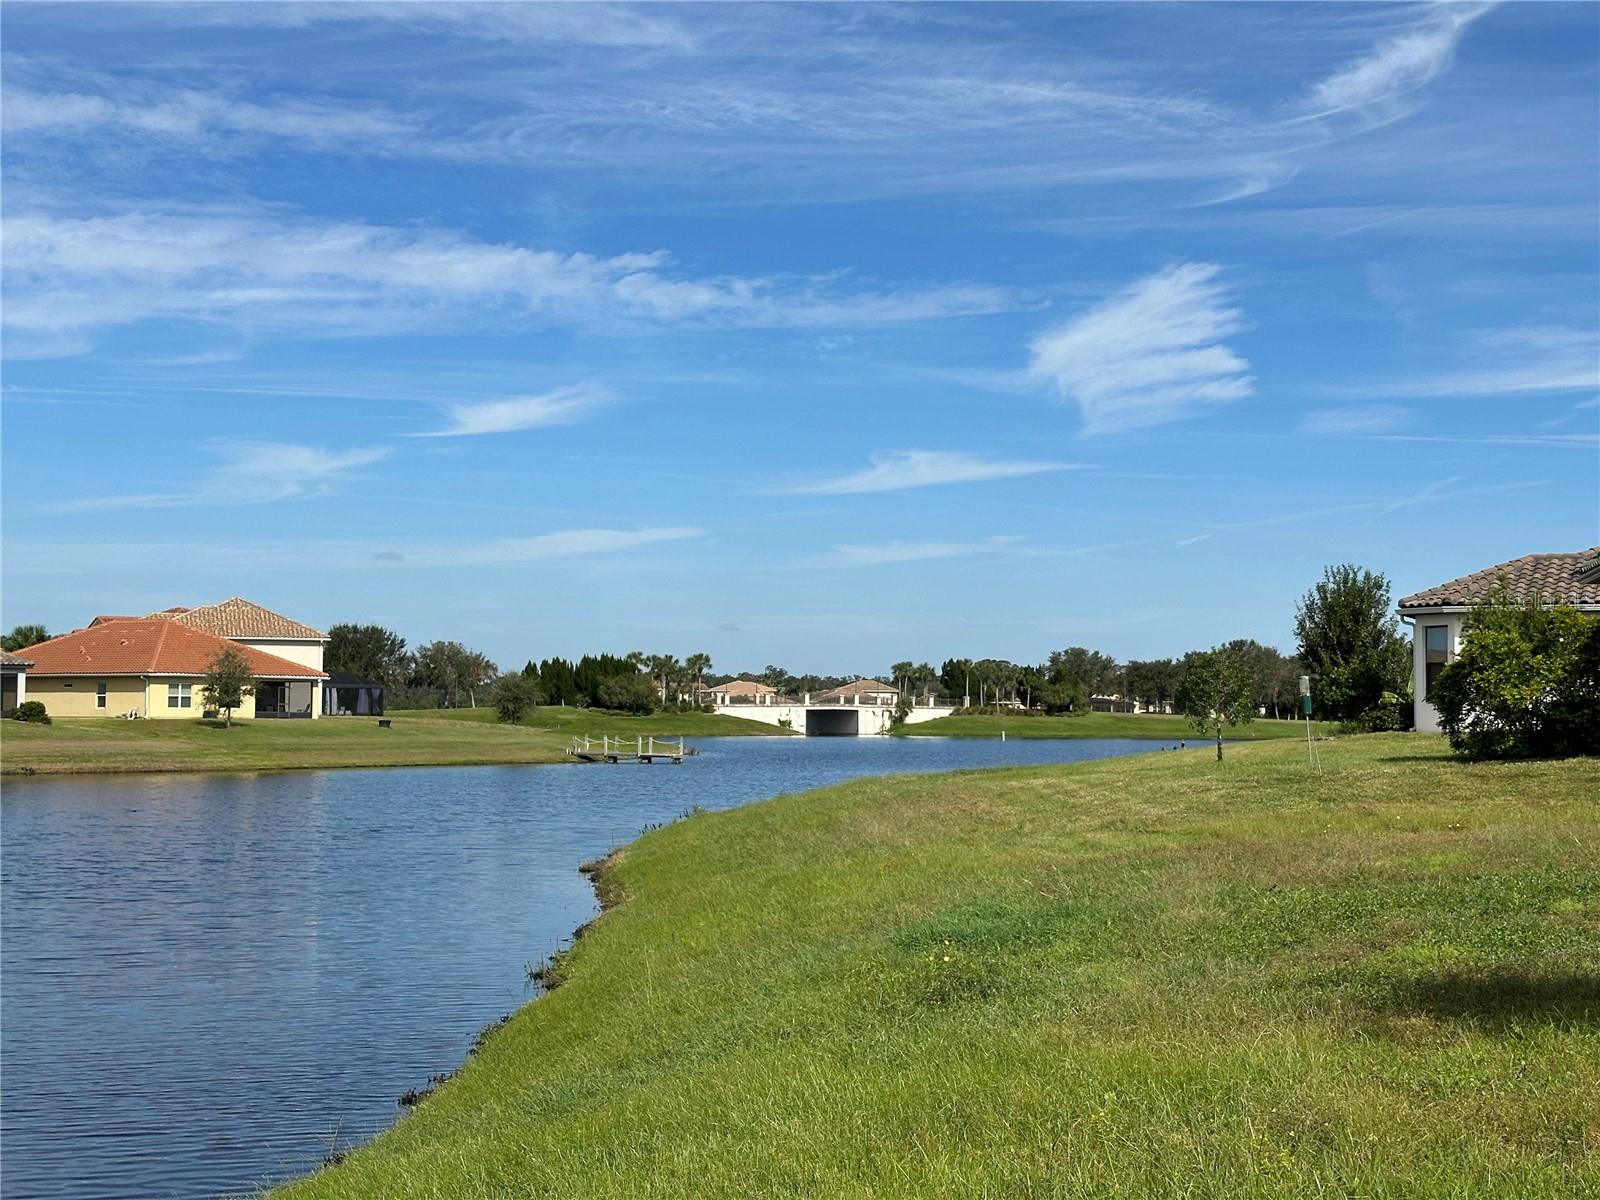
208,981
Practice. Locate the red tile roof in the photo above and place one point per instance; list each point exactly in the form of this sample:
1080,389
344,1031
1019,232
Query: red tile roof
9,659
151,646
1554,578
237,617
861,687
742,687
102,619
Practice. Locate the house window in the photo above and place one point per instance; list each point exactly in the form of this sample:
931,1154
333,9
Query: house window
1435,653
100,695
180,695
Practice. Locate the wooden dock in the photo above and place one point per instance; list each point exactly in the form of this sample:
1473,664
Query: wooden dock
621,750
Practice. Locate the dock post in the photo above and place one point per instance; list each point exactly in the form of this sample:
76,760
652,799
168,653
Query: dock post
639,749
652,744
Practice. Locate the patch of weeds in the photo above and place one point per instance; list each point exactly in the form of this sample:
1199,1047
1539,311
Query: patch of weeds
487,1032
1008,927
412,1097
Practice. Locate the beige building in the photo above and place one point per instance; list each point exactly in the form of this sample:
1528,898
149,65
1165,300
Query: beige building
152,667
1437,614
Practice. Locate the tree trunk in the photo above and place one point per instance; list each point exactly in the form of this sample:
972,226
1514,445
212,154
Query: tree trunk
1219,743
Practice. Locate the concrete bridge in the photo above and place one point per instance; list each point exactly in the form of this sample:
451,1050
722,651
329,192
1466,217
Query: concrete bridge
832,719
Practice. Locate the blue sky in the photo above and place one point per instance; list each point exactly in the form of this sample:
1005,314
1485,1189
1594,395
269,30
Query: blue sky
822,336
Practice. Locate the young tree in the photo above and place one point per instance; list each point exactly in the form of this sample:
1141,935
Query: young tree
24,636
227,681
1350,642
370,651
514,696
1216,692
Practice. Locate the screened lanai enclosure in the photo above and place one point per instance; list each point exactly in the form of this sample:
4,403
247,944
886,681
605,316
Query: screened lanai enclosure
347,695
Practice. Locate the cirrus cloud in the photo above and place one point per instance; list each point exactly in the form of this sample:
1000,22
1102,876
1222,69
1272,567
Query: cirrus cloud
1150,354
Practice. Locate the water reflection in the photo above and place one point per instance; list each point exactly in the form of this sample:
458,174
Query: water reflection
203,977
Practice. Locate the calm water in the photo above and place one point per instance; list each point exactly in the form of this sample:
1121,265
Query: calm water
202,978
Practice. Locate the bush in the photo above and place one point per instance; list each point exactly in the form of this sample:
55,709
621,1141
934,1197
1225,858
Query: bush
1392,714
1525,685
514,696
32,712
628,693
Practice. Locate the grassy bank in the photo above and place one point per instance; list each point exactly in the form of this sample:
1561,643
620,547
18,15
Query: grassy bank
589,722
423,738
1151,977
1155,726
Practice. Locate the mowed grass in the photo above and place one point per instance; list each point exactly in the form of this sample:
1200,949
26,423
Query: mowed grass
594,723
425,737
1151,977
1156,726
91,745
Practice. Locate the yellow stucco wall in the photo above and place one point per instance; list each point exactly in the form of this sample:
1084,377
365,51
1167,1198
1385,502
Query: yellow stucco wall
74,696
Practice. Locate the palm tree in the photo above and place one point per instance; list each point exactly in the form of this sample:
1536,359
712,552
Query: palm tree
697,665
900,675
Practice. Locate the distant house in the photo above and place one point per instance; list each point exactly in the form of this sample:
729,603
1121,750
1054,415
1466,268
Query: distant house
347,695
862,691
742,691
13,681
1111,704
152,667
243,621
1436,614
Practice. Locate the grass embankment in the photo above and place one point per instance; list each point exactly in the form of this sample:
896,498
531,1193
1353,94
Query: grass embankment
419,738
1150,977
1155,726
593,723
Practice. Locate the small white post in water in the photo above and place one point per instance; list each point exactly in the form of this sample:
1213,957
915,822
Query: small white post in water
1002,735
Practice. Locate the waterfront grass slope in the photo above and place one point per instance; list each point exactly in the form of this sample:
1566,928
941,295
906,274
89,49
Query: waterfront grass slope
1155,726
1155,976
431,737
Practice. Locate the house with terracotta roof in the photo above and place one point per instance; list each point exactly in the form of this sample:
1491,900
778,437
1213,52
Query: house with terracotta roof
1436,614
13,681
153,667
862,691
243,621
742,691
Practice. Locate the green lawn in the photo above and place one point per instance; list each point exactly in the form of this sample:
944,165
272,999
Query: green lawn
1156,726
1153,977
589,722
100,745
425,737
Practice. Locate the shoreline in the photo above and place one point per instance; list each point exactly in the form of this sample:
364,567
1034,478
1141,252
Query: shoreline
730,927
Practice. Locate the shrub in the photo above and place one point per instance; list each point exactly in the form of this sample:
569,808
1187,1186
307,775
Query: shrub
1392,714
628,693
1525,685
514,696
32,712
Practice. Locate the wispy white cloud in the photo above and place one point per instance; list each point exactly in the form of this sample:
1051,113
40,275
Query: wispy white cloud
560,407
899,469
187,114
886,553
567,543
1151,354
1377,84
246,473
65,277
1524,360
1356,420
